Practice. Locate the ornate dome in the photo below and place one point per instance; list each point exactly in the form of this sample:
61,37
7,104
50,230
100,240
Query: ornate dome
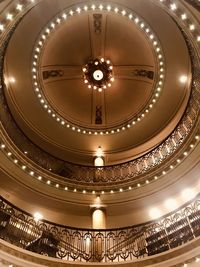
54,117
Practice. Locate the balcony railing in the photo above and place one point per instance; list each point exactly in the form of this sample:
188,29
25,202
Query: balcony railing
88,245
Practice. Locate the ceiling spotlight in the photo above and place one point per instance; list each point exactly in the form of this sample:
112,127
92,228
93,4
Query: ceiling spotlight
12,80
37,216
155,213
183,79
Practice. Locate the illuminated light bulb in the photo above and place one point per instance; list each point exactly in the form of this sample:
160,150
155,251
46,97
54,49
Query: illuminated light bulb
155,213
89,86
120,190
75,190
173,6
192,27
84,192
40,178
108,8
108,62
85,81
111,191
93,192
100,89
23,167
112,79
100,7
64,16
96,63
130,16
198,38
183,79
99,152
138,185
48,182
57,185
37,216
78,10
170,204
85,8
31,173
66,188
71,12
1,27
111,67
184,16
109,85
9,16
19,7
116,10
3,146
130,188
102,59
104,86
93,7
12,80
123,12
188,194
95,87
9,154
136,20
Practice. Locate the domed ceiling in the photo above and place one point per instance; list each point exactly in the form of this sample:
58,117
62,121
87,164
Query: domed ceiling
53,105
123,76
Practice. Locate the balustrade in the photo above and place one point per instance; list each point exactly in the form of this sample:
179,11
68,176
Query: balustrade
106,245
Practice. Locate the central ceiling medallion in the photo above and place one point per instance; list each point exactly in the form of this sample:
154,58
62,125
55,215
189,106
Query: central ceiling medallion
98,74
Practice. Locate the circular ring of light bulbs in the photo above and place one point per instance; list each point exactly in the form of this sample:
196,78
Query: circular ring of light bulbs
115,9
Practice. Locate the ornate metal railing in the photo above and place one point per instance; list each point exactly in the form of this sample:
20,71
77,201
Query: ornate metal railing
88,245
